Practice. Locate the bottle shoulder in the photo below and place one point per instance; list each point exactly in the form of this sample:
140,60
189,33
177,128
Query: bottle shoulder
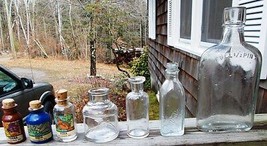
136,95
107,106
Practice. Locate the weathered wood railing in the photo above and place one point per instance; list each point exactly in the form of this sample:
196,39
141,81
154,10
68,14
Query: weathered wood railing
256,136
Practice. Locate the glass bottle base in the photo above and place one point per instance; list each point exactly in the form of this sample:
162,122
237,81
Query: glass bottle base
224,123
167,134
102,134
66,139
138,133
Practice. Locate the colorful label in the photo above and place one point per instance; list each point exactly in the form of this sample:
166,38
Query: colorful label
39,133
65,125
13,132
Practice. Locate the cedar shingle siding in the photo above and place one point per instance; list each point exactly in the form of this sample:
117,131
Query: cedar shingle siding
160,53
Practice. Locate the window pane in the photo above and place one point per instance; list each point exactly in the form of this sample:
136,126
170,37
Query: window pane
212,19
185,23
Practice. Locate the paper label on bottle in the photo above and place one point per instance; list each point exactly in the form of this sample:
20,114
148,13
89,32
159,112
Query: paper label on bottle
13,132
65,125
39,133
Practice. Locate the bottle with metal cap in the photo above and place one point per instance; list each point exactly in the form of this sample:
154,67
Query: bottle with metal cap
64,117
38,123
229,79
12,122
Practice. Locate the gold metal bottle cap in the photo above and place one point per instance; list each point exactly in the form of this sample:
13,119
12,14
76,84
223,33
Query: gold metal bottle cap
35,104
8,103
61,94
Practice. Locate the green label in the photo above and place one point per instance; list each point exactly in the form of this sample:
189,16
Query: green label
40,132
64,125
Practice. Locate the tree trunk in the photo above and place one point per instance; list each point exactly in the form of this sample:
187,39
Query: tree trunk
93,58
10,31
1,35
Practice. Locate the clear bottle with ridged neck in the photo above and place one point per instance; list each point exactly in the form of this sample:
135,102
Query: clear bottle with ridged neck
137,109
12,122
64,117
229,79
100,117
39,123
172,103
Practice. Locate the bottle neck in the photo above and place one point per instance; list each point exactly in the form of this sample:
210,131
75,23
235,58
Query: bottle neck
10,111
137,87
101,98
233,34
62,103
171,75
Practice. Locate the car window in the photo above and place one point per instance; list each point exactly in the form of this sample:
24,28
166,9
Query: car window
7,84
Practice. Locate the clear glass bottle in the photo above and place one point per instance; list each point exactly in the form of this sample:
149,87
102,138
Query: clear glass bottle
64,117
137,105
172,103
229,79
100,117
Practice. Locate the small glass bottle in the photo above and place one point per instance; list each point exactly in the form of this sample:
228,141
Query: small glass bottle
100,117
12,122
137,105
172,103
38,123
229,79
64,117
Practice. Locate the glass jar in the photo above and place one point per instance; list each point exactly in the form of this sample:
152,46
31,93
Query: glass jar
38,123
137,105
64,117
100,117
229,79
172,103
12,122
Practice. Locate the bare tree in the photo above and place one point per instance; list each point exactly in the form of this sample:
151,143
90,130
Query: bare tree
9,25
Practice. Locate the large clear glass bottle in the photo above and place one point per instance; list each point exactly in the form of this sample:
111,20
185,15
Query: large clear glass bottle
229,79
64,117
137,105
172,103
100,117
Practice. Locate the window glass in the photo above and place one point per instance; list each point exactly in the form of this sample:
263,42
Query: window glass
7,84
212,20
185,19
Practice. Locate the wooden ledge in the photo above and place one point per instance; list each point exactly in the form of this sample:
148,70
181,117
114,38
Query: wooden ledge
256,136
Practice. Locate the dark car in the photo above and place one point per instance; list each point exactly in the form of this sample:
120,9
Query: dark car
24,90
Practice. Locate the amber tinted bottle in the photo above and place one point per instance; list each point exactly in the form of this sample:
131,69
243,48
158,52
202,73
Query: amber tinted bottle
12,122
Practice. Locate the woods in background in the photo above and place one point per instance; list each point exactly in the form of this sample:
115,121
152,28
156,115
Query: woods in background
68,28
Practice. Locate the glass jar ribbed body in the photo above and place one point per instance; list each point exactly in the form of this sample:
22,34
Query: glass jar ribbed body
172,103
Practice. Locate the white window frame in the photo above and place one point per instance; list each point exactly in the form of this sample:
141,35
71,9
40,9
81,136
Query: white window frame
152,19
195,45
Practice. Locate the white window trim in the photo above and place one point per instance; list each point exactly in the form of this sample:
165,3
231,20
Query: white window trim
263,42
152,19
195,45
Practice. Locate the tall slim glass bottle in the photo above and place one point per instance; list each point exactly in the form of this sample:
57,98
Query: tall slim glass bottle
137,105
172,103
64,117
229,79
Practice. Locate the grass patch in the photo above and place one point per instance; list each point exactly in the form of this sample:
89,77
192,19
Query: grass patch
154,106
